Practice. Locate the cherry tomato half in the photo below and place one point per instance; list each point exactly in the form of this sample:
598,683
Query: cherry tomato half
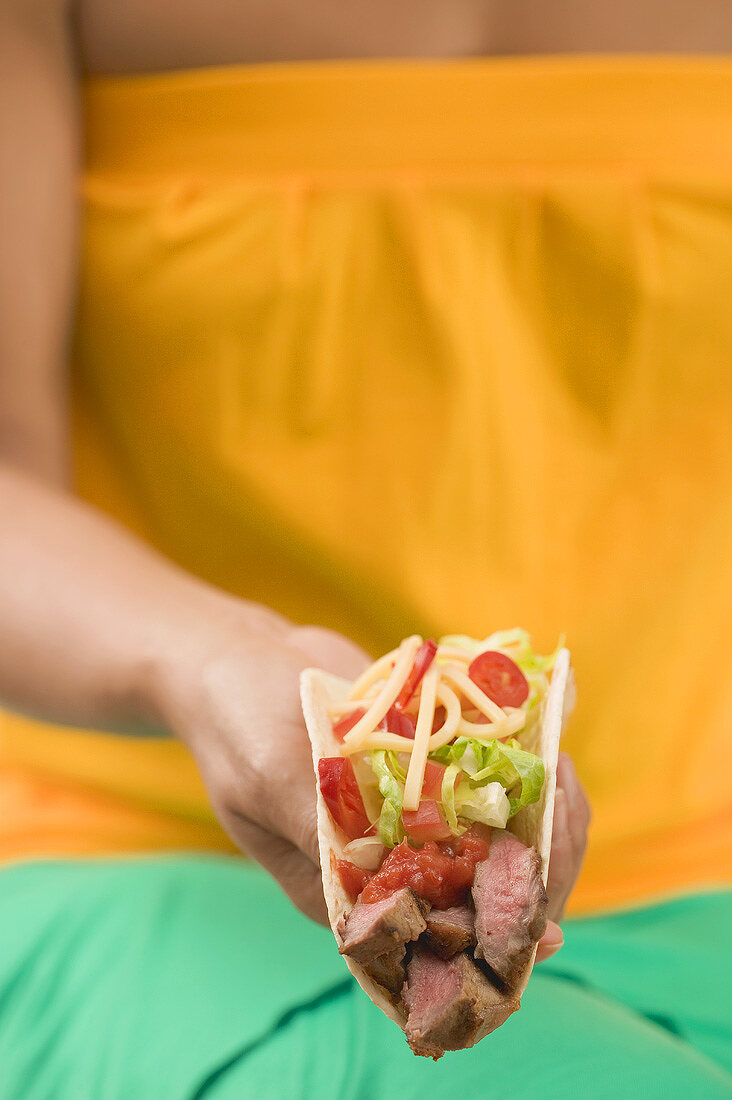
499,678
340,790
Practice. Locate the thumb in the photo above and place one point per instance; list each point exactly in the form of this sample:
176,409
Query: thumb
550,942
331,651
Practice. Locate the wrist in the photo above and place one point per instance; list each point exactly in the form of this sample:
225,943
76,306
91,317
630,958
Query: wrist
172,675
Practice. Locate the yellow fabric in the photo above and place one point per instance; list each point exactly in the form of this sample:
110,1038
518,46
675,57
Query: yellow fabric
415,346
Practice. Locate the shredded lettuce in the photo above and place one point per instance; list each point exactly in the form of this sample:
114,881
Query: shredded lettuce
395,766
488,804
391,829
520,773
451,753
447,799
509,764
443,755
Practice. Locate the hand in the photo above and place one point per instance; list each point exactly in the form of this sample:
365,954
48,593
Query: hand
236,704
569,839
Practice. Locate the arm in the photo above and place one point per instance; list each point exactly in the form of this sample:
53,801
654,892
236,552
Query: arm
96,629
38,139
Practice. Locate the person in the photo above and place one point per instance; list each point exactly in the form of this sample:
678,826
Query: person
380,346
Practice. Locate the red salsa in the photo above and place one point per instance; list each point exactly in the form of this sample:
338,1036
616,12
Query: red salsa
441,873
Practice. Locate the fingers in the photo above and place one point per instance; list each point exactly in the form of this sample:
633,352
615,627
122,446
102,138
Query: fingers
579,807
569,839
277,792
561,862
550,942
295,872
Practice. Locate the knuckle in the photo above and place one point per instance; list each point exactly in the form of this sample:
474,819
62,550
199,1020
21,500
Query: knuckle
246,789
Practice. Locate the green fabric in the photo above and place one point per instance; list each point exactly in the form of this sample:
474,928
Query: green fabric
194,979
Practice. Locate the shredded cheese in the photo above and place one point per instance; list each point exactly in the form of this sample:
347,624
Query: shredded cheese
377,671
418,759
452,717
387,696
489,731
380,739
339,710
454,653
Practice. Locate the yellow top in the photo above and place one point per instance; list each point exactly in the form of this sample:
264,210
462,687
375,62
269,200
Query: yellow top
422,346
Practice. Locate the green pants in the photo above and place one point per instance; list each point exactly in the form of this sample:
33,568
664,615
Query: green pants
195,979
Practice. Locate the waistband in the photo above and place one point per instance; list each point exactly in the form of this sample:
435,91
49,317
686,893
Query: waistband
586,112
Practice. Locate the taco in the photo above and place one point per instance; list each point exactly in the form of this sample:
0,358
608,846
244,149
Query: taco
436,774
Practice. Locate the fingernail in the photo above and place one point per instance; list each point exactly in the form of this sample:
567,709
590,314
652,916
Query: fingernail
547,950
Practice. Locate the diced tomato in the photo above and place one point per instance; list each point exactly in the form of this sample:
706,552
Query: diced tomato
423,659
440,873
340,729
397,722
353,878
426,822
500,678
432,782
340,790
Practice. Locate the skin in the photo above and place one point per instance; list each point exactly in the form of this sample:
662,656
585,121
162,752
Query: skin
96,629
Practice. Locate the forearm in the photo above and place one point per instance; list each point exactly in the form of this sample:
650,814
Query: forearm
91,619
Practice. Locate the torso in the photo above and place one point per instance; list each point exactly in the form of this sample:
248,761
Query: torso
151,35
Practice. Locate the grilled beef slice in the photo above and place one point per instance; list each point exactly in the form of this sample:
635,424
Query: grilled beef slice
510,907
388,970
374,929
450,1005
450,930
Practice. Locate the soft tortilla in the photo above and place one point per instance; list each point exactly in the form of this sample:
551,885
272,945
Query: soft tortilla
532,825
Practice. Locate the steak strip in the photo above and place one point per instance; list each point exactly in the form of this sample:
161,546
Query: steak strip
450,930
374,929
450,1005
388,970
510,907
